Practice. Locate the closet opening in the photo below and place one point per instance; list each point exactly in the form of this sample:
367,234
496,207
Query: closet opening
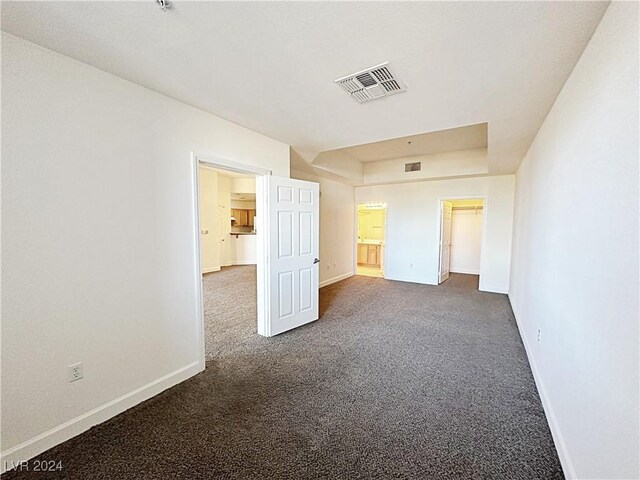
461,238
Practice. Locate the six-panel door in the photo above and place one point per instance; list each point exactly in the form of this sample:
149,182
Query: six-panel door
293,250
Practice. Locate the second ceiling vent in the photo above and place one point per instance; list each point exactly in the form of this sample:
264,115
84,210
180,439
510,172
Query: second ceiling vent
371,83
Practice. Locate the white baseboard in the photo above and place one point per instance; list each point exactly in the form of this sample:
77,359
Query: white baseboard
244,263
558,439
409,280
492,289
61,433
336,279
211,270
465,271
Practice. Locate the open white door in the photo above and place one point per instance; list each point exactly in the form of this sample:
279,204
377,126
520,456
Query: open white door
445,241
292,253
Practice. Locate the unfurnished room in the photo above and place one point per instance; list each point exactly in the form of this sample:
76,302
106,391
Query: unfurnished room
320,240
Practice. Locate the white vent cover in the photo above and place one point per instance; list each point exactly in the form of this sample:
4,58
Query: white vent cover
371,83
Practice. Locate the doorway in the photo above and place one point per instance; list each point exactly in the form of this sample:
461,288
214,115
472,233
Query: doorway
370,246
461,237
228,251
285,229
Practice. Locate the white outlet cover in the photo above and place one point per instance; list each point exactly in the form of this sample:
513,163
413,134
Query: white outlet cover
75,372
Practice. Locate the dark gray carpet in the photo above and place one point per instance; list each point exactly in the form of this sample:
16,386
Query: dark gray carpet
396,380
230,310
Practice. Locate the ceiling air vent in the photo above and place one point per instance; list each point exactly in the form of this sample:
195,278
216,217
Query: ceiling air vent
372,83
412,167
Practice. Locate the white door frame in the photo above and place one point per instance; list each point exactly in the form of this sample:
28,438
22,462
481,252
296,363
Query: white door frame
485,208
383,259
261,238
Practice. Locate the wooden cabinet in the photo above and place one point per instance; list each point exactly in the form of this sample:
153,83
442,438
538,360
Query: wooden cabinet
369,254
363,253
244,218
237,214
373,255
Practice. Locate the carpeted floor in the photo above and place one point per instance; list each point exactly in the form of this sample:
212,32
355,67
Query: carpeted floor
230,310
395,381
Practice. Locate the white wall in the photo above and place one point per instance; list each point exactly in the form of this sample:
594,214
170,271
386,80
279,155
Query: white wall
216,247
224,201
575,257
466,241
244,184
245,249
209,220
437,165
371,224
412,227
337,163
98,260
337,228
243,204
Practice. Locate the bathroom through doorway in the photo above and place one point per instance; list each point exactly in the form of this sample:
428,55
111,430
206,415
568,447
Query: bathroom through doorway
371,239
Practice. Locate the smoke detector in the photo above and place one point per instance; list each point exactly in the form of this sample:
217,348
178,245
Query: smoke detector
371,83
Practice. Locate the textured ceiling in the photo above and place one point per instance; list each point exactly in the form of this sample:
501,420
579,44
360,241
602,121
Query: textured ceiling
270,66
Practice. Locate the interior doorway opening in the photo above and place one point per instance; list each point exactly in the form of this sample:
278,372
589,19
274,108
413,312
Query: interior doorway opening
461,238
372,219
228,218
286,232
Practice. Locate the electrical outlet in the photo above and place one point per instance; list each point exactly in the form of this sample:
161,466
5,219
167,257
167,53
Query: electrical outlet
75,372
539,335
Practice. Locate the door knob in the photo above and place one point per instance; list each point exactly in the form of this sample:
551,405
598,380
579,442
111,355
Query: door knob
316,260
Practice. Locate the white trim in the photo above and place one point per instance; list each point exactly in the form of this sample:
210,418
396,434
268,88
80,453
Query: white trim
419,281
556,433
485,209
261,214
199,281
335,279
355,237
223,163
84,422
466,272
262,256
493,289
243,263
211,270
